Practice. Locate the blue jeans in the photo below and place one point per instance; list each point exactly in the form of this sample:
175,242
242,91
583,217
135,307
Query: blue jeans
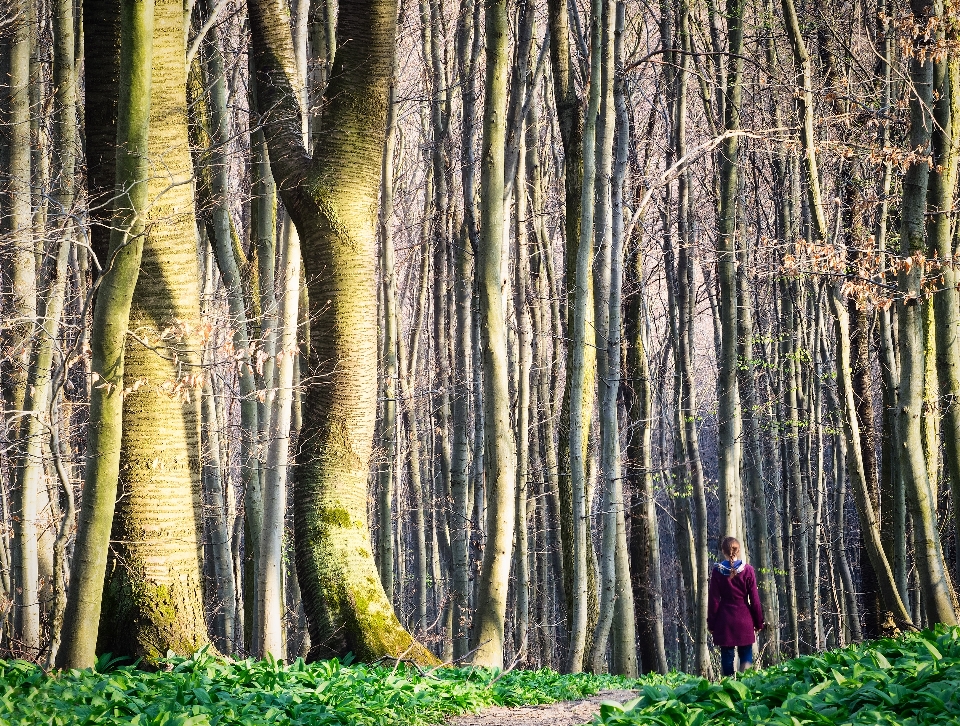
726,657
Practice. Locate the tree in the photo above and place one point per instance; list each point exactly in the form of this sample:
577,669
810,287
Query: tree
109,336
152,596
331,199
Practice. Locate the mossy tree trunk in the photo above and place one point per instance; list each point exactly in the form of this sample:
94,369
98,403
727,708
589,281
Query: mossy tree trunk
581,388
332,200
570,119
109,335
152,598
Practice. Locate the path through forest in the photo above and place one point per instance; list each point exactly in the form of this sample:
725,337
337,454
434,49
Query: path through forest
565,713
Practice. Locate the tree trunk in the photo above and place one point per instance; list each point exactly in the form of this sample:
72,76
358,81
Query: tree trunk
580,392
499,456
387,474
939,598
332,200
941,218
270,596
108,339
728,410
607,370
152,597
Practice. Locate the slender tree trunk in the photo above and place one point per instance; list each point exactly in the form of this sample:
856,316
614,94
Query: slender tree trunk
408,368
466,247
387,475
270,592
570,121
728,409
941,219
579,391
521,306
229,260
607,371
939,598
624,624
22,266
499,456
459,483
862,384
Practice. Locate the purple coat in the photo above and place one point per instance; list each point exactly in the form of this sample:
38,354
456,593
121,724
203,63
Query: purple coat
734,611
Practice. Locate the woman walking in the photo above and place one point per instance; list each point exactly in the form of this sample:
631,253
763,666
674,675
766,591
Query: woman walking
734,615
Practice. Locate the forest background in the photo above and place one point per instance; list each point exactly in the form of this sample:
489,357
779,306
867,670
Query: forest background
463,330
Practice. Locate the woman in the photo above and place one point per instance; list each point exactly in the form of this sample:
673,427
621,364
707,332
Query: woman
734,615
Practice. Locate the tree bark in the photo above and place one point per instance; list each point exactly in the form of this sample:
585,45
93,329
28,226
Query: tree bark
332,200
108,339
486,640
728,410
939,598
152,597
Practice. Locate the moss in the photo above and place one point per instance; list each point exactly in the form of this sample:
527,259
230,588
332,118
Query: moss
146,620
335,516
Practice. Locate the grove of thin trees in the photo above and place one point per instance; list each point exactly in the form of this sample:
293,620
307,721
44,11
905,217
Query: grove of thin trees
463,330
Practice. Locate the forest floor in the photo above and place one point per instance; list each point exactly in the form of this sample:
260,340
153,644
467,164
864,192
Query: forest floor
564,713
909,681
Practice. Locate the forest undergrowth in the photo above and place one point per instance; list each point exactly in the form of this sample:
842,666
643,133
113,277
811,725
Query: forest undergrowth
910,680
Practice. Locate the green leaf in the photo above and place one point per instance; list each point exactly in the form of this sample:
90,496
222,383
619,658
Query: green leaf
932,648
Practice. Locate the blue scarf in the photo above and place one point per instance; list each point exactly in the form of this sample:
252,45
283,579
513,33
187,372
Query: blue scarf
731,568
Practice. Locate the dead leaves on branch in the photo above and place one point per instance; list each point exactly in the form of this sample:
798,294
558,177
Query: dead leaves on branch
868,274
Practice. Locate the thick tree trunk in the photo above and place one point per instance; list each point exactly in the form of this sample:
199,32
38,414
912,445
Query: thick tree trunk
152,597
109,336
332,200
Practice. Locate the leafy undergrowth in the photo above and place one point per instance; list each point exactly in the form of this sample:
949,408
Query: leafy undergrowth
202,690
909,681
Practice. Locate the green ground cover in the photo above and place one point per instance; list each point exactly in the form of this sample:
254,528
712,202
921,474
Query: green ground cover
911,681
202,690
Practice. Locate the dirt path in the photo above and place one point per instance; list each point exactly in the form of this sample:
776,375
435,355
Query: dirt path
566,713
